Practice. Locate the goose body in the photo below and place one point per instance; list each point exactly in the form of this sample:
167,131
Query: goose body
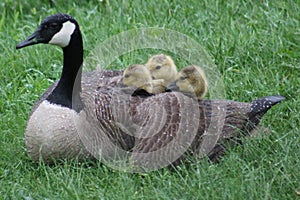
52,130
82,114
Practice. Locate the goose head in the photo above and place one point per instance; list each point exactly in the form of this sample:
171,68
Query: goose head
63,31
139,77
191,80
56,29
162,67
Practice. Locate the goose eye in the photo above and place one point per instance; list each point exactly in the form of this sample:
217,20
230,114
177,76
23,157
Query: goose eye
53,25
182,78
158,67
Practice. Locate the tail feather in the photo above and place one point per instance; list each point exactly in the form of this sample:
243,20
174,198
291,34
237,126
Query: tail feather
256,111
260,106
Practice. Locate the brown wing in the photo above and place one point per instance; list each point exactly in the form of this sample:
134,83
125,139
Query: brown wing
164,129
169,125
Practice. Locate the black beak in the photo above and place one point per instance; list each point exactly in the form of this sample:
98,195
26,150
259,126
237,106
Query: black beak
31,40
172,87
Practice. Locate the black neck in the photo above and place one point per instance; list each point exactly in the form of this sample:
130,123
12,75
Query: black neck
67,91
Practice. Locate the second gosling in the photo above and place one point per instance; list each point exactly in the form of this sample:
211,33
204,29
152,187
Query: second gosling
162,66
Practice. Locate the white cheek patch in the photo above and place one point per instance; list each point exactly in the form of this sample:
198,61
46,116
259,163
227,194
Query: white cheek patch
63,37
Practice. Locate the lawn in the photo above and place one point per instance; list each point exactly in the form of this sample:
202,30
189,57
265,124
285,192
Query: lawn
256,48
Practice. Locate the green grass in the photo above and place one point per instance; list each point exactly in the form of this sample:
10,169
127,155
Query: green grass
256,46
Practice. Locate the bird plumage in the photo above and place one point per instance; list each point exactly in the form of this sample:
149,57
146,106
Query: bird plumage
85,115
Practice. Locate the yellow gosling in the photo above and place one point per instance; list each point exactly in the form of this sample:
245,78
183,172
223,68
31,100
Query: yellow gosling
139,76
162,66
192,80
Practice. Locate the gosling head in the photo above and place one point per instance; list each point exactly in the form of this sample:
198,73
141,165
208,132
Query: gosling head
191,80
162,67
56,29
138,76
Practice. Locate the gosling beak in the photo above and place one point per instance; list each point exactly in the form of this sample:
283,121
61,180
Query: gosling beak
172,87
31,40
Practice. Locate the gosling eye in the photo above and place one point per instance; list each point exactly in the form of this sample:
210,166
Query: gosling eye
126,76
182,78
158,67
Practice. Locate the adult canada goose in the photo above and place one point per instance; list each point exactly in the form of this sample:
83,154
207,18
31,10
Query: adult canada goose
81,111
162,66
191,80
140,77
